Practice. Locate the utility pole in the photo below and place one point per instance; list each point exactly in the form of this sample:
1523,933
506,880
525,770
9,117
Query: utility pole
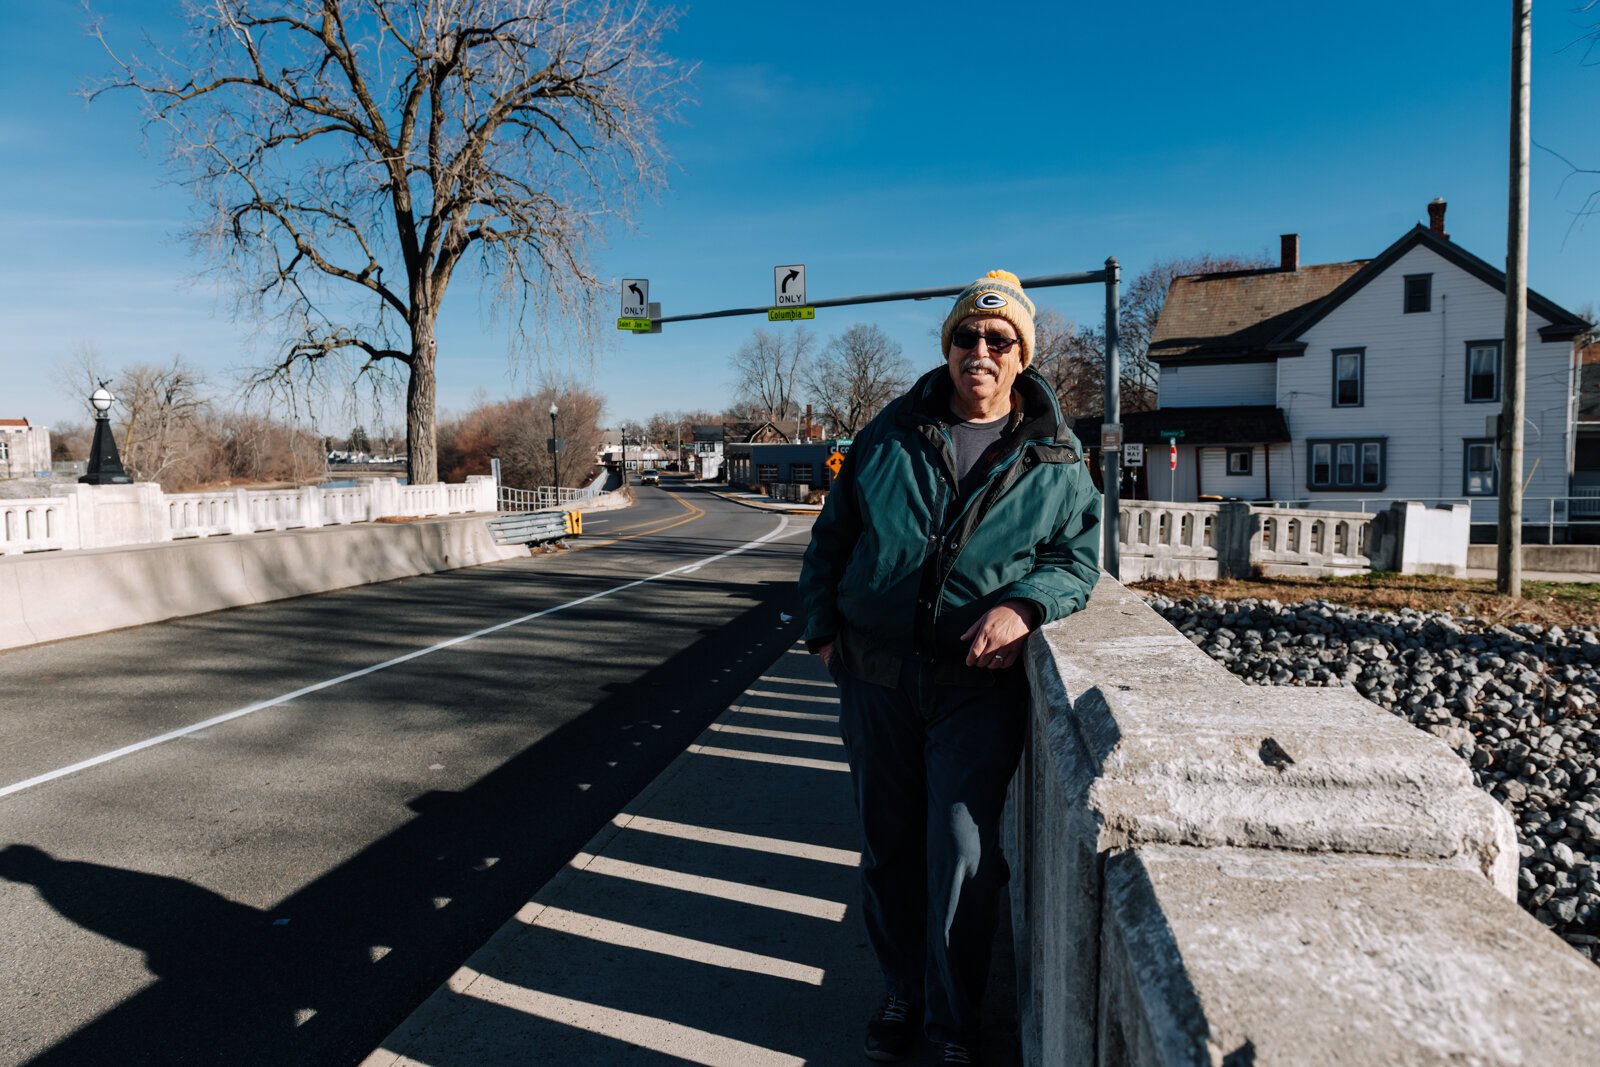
1110,458
1509,575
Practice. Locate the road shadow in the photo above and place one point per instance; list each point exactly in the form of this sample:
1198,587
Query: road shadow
324,976
715,923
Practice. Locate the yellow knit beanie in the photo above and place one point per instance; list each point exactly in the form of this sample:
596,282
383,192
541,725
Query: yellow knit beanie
999,295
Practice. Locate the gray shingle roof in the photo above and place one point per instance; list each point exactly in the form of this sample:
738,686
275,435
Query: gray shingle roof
1238,313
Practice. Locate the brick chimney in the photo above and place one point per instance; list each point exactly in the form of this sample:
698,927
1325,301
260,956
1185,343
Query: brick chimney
1436,217
1289,252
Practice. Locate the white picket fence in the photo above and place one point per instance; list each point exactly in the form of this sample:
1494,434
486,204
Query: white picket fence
106,516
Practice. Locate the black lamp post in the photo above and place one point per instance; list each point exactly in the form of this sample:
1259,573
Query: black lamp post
105,466
555,450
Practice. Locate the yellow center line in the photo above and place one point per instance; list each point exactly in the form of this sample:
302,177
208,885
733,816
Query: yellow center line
672,522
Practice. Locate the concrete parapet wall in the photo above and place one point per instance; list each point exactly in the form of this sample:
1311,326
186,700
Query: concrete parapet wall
48,596
1579,559
1207,872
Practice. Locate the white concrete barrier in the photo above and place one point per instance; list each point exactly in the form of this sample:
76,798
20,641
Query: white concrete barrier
106,516
51,595
1206,872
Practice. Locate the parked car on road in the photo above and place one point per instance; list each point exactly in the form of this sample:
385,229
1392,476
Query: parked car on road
649,476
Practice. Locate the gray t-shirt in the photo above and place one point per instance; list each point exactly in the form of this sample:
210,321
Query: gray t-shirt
971,440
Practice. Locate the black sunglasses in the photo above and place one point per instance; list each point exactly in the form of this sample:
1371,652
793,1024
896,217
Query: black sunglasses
997,343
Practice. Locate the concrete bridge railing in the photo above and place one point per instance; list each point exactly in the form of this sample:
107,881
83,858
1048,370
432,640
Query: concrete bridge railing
109,516
1228,540
1211,873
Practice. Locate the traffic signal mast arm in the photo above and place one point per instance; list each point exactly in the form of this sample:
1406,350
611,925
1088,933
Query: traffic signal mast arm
1044,281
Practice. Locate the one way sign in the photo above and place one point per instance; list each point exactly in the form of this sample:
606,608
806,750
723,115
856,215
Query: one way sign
635,298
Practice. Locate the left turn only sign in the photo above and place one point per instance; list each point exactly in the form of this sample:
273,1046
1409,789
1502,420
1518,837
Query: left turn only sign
635,298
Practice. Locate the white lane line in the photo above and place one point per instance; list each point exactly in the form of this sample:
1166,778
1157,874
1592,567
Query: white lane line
262,705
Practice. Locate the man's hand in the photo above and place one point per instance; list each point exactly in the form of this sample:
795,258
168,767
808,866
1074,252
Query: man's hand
998,636
825,651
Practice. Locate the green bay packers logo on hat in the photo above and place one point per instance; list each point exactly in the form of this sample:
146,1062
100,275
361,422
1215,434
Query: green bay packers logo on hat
989,301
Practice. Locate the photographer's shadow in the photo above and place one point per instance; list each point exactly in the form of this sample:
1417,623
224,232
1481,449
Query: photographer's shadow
207,949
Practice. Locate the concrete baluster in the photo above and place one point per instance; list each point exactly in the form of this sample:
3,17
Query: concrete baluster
311,506
153,509
239,521
71,533
384,496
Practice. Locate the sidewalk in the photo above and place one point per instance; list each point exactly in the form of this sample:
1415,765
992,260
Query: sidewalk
759,502
714,922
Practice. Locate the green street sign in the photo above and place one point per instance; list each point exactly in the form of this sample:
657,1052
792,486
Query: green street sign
636,325
790,314
1172,434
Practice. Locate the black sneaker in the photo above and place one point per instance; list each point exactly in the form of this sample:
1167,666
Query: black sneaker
954,1053
891,1031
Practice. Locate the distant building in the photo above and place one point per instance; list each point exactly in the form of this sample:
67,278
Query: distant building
640,454
708,445
24,450
784,463
1359,381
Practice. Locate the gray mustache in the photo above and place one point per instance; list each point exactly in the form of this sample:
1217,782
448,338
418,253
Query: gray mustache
972,363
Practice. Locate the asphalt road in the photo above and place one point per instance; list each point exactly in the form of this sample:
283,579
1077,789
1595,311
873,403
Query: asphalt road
285,886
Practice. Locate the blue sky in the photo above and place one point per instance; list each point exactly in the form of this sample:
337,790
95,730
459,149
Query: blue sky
885,146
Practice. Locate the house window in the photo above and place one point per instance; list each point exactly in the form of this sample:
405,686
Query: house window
1321,465
1348,364
1419,293
767,472
1479,467
1347,464
1239,461
5,450
1344,468
1371,463
1483,371
802,473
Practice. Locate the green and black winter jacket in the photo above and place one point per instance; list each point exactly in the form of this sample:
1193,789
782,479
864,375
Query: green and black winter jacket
899,568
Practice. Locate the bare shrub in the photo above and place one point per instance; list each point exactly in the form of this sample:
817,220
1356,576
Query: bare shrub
516,431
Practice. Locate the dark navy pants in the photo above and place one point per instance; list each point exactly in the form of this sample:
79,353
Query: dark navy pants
930,764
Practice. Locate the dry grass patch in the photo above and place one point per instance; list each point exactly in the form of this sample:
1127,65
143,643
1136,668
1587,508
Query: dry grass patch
1546,603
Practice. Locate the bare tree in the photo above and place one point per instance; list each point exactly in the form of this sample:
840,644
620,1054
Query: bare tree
515,431
351,155
1139,310
161,416
768,369
857,373
1069,358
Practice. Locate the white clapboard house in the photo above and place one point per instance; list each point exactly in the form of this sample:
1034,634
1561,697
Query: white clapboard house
1367,380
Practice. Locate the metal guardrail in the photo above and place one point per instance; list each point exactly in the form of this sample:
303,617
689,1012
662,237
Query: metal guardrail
544,497
535,527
